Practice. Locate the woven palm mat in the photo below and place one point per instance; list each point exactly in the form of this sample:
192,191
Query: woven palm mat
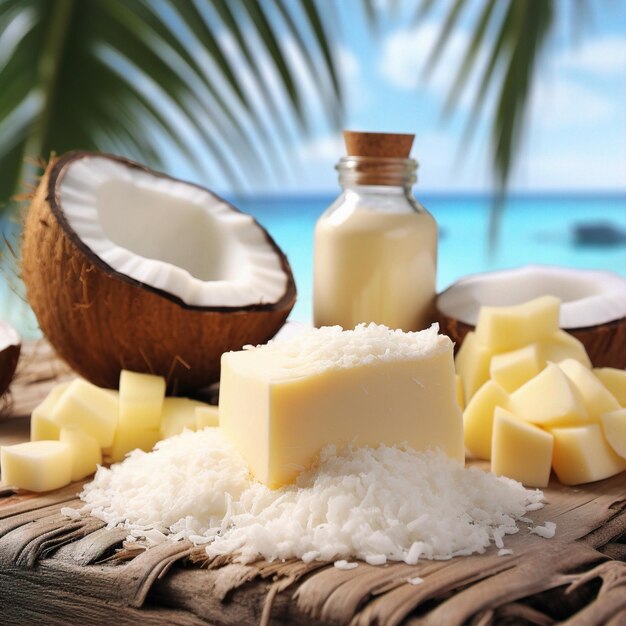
578,577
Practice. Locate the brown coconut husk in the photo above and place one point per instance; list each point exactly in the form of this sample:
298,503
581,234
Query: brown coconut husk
10,347
101,321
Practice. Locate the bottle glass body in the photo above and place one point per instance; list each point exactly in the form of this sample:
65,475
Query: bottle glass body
375,249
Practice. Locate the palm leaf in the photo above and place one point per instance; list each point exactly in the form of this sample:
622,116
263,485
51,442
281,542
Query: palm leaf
134,75
516,32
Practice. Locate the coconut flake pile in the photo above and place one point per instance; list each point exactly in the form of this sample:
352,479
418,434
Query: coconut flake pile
378,505
330,347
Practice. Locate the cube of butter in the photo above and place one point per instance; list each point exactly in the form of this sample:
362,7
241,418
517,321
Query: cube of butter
41,425
561,345
595,396
614,428
129,439
520,450
582,455
512,369
86,453
283,402
178,414
89,408
37,465
510,327
141,400
614,380
472,364
207,415
549,399
478,418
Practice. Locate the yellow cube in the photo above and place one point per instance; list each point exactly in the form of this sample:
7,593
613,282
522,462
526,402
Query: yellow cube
86,453
89,408
510,327
42,428
141,400
128,439
207,415
520,450
582,455
549,399
37,465
478,418
512,369
596,397
472,365
561,345
614,429
178,414
614,380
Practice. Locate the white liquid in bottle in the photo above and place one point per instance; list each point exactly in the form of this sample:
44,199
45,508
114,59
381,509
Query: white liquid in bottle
376,246
375,267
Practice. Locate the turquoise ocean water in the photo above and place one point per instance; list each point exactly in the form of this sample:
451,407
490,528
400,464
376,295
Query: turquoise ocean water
534,229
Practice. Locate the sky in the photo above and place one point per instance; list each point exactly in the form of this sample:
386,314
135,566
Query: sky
576,139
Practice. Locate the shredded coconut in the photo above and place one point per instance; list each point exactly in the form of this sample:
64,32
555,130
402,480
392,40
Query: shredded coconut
330,347
374,504
547,531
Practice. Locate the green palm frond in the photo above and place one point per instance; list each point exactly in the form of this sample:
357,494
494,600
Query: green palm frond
514,33
144,77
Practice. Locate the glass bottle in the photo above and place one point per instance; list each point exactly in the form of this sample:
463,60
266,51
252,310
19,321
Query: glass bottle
375,248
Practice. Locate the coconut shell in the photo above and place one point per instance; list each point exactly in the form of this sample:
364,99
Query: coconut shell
10,347
101,321
605,343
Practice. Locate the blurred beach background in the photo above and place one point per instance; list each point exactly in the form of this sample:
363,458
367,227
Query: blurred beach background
517,107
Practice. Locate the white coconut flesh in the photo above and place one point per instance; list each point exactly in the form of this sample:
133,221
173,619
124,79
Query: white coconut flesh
170,235
588,297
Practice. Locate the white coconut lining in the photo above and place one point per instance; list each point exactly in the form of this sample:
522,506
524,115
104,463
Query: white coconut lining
588,297
170,235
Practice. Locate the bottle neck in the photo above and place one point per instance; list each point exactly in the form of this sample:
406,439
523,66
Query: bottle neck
377,172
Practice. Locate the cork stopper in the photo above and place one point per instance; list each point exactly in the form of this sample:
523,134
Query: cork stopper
386,145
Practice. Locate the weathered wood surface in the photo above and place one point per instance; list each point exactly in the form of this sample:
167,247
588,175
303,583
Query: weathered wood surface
59,571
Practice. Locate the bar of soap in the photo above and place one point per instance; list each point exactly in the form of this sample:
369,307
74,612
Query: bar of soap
614,428
141,400
89,408
512,369
506,328
86,453
460,394
478,418
549,399
520,450
582,455
472,364
561,345
283,402
37,465
207,415
42,427
615,381
178,414
595,396
129,439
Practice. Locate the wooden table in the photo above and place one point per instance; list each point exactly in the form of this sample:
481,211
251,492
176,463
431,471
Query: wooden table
59,571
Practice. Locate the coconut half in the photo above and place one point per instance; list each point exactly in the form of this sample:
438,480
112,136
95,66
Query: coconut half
10,346
126,268
593,305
